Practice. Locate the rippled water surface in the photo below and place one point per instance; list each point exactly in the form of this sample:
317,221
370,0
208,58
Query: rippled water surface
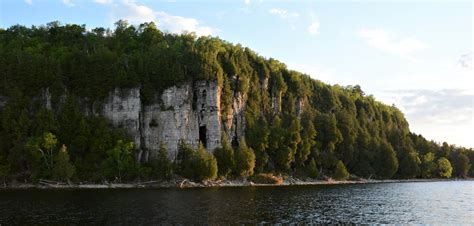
422,202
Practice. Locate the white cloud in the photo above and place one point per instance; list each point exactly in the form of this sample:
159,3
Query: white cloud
104,1
68,3
178,24
284,14
29,2
132,12
314,27
442,115
383,40
135,13
247,2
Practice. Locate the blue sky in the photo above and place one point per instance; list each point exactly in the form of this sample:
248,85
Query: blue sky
416,55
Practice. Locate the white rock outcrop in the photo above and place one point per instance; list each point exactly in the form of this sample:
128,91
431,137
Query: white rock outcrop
190,113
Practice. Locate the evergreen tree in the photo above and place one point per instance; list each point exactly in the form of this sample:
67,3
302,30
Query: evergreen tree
63,169
387,161
341,172
461,165
409,165
4,169
225,157
285,154
308,136
161,165
244,160
206,165
257,137
186,161
312,170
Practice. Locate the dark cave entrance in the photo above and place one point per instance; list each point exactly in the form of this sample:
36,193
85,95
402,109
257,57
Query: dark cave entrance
202,135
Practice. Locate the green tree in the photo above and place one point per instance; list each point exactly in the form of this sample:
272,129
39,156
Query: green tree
428,165
312,170
444,167
225,157
244,160
161,164
257,137
387,161
329,136
4,169
186,160
288,145
470,154
308,136
409,165
461,165
206,166
197,164
119,161
340,173
63,169
364,156
41,154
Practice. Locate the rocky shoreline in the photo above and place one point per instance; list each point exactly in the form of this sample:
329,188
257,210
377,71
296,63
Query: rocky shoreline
217,183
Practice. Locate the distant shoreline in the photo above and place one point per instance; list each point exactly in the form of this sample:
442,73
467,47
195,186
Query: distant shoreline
212,184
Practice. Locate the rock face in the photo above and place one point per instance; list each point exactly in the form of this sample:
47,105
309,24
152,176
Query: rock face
190,113
123,108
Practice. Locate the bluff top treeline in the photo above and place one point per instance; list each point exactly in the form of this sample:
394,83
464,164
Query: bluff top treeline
295,125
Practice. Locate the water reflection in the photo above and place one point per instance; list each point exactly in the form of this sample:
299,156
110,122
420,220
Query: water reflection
430,202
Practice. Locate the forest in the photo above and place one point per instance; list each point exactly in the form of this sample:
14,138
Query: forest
341,132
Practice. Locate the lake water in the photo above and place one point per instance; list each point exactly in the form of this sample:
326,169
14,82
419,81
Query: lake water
419,202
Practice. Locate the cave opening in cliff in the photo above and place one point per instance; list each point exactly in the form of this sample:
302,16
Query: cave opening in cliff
202,135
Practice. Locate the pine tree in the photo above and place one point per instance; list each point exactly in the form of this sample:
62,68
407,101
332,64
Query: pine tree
341,172
63,168
225,157
387,163
312,169
244,160
161,166
206,165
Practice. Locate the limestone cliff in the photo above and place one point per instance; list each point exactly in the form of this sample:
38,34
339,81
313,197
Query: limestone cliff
189,113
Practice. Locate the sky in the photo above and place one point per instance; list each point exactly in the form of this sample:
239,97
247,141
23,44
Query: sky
416,55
